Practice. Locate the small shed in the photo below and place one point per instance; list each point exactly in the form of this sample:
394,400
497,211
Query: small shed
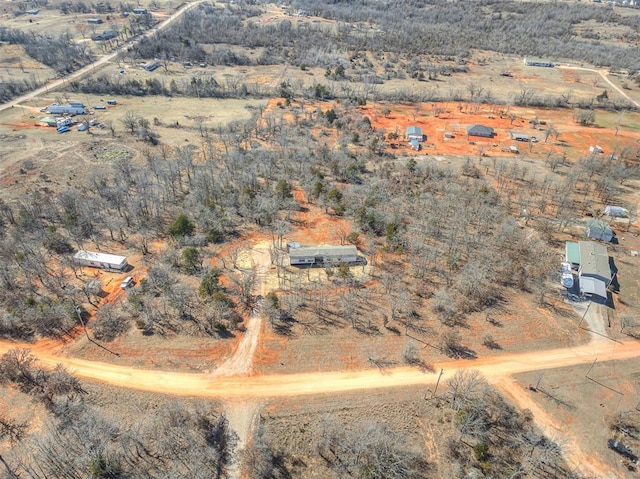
140,11
112,102
449,134
323,255
616,212
517,136
33,11
599,230
595,149
414,133
49,121
95,21
480,131
100,260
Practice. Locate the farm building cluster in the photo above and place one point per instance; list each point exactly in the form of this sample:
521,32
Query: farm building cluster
63,117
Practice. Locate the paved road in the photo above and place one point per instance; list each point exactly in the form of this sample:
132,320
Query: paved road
605,77
100,62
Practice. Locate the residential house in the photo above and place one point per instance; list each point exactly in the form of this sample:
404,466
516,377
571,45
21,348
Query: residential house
323,255
594,272
414,133
101,260
480,131
517,136
536,62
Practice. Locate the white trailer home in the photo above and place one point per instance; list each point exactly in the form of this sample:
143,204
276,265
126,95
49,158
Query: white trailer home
101,260
323,255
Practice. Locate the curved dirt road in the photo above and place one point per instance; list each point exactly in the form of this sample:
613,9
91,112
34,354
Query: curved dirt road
603,74
100,62
283,385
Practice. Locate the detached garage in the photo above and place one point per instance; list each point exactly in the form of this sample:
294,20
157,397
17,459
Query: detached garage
100,260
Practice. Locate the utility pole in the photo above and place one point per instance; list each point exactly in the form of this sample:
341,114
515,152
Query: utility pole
433,394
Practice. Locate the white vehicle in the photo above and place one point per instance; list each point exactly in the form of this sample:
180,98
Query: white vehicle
567,275
127,283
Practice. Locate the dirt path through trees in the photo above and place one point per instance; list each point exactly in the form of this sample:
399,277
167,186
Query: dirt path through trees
240,362
241,415
571,451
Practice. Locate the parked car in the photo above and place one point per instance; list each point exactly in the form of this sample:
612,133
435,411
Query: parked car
127,283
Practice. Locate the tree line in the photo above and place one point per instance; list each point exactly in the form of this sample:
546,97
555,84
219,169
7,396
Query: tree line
58,52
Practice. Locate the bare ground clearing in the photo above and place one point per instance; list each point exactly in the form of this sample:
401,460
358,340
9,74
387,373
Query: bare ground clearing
581,408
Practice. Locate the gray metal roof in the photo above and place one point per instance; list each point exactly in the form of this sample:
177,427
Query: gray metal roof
517,134
307,251
414,130
593,286
594,259
479,130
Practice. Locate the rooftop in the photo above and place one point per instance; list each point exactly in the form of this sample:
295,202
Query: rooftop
594,259
475,129
572,252
100,257
306,251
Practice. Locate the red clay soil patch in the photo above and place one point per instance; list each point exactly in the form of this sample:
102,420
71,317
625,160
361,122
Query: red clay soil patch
455,117
316,226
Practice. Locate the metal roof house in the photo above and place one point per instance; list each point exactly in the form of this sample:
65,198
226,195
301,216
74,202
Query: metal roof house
594,272
105,35
537,62
599,230
414,133
323,255
481,131
71,109
100,260
517,136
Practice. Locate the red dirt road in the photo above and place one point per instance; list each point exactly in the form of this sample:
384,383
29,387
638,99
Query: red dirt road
276,385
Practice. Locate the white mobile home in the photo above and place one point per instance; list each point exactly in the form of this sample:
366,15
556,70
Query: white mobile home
100,260
616,212
321,255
